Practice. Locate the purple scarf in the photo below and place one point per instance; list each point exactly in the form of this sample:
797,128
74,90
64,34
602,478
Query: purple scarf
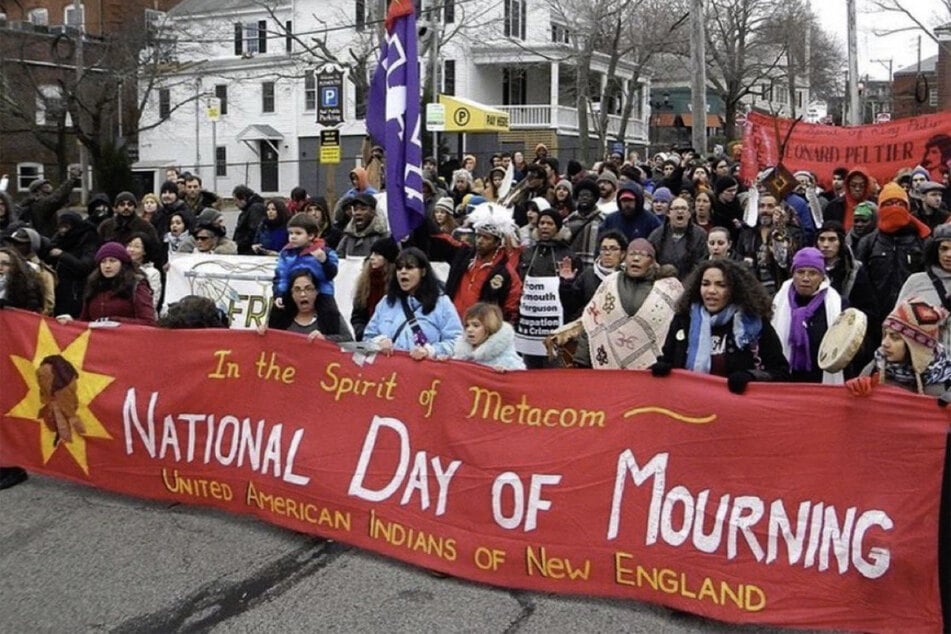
800,357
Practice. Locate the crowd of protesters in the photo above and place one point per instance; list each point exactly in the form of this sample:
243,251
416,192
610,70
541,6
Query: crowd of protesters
667,263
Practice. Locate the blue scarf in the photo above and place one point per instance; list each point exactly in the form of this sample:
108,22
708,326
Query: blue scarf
746,330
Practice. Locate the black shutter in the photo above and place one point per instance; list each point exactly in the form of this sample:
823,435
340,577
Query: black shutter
238,38
262,36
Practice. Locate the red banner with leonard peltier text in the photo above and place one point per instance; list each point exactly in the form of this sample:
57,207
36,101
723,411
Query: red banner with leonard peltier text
881,149
792,505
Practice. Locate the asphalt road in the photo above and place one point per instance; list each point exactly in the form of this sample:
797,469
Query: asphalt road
75,559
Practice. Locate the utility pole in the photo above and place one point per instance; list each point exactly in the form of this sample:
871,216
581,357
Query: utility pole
698,71
434,22
855,114
83,157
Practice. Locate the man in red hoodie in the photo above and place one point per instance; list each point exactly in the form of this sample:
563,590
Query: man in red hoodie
859,187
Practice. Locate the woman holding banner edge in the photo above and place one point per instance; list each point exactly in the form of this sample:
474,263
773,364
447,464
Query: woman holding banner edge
415,315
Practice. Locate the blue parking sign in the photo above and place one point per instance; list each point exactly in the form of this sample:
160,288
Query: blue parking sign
330,96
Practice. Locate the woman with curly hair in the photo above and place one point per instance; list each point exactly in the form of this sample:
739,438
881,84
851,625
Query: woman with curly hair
115,291
721,326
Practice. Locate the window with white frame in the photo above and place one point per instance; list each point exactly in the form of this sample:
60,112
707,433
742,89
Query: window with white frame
40,17
221,161
267,96
73,17
310,91
933,96
514,87
449,76
27,173
164,103
516,12
221,92
250,37
360,15
559,33
51,106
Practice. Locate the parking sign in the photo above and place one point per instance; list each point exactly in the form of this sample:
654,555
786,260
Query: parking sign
329,96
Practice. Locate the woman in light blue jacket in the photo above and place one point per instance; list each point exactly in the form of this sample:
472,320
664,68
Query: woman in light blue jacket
415,316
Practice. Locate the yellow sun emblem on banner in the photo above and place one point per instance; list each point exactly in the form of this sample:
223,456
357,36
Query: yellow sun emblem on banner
59,392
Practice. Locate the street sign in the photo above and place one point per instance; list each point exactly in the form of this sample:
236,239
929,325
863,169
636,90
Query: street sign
883,117
329,155
330,138
740,119
330,146
213,109
329,96
435,117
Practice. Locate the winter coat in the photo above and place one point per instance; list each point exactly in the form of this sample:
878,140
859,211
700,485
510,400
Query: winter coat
764,360
684,253
41,212
293,259
272,237
441,326
248,221
890,258
77,260
358,242
138,309
497,351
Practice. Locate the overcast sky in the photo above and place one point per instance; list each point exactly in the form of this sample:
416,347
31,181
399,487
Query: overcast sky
900,47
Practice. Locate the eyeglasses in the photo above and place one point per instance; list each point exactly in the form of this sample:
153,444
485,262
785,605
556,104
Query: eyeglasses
406,267
203,238
303,289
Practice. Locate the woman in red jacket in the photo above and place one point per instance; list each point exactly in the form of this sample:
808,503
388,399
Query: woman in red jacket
115,292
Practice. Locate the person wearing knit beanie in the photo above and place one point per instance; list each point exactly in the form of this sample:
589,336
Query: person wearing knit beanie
446,204
894,214
113,250
809,257
548,212
804,309
910,355
386,247
565,184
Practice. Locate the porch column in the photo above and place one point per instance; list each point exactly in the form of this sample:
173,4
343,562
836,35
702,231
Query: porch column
553,94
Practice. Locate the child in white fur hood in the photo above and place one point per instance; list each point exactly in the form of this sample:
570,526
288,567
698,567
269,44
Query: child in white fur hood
488,339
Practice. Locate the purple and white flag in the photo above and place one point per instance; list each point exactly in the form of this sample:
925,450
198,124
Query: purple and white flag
393,119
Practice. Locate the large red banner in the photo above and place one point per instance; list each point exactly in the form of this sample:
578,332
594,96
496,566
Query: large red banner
882,149
792,505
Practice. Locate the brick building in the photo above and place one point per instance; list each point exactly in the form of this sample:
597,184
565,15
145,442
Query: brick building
38,42
915,93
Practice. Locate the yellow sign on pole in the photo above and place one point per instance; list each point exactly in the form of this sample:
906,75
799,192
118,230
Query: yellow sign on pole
213,109
329,154
465,115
